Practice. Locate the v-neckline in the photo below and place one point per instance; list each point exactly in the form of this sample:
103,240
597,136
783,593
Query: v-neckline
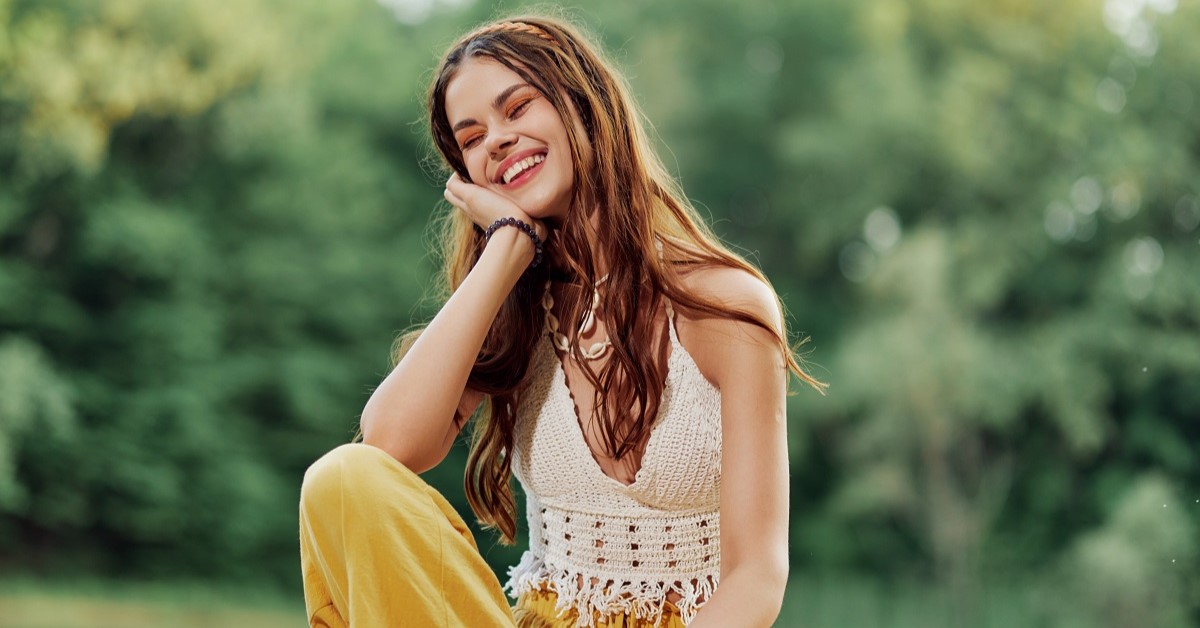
577,429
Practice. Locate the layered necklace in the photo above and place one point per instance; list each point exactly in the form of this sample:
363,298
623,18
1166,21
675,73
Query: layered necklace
561,342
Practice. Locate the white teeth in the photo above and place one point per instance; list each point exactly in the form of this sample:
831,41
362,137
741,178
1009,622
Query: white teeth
521,166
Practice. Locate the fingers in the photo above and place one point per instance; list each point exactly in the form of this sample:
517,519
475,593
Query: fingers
461,194
456,185
454,200
456,190
484,206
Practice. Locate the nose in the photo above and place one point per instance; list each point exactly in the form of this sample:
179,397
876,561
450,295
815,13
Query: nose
499,141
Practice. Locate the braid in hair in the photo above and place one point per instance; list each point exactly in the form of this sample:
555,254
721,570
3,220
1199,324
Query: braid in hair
521,27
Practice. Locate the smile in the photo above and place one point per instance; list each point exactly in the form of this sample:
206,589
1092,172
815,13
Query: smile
522,170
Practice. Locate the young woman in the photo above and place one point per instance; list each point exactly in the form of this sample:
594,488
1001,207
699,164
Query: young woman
631,369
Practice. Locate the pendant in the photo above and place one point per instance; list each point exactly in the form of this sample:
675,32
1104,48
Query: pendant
560,340
589,321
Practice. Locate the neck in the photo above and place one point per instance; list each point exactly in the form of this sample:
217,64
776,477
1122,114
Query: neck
562,273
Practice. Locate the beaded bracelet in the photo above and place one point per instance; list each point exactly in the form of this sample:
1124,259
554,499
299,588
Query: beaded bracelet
509,221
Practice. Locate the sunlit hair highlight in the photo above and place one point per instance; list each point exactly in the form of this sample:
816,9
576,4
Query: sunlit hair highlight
616,173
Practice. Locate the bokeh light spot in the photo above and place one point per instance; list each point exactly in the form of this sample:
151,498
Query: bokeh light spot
1110,96
1059,222
881,229
764,55
1143,256
1126,201
1187,213
1086,195
857,261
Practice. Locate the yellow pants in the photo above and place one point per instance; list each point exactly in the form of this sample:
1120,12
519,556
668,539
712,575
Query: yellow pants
380,547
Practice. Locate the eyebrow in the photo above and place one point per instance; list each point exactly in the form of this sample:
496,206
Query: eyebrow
496,104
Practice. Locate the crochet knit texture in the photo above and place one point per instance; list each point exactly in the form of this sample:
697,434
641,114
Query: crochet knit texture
605,546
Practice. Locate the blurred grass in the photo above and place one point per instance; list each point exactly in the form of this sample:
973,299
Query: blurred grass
854,601
105,604
834,601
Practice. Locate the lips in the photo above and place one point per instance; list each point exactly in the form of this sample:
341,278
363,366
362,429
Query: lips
498,176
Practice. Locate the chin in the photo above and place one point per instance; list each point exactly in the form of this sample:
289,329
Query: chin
548,210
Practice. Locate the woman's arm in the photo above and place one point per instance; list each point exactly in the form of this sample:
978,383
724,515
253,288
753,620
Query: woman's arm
745,363
410,415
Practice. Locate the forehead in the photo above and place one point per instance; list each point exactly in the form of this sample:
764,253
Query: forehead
476,83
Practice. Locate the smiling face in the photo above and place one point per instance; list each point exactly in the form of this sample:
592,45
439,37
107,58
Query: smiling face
511,138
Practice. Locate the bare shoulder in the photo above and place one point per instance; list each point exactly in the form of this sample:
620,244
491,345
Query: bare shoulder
715,343
734,288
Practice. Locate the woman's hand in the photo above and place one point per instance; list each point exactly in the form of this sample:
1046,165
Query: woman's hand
483,206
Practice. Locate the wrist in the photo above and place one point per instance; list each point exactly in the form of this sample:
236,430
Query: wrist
522,227
512,248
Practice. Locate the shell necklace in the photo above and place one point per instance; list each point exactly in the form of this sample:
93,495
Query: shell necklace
589,322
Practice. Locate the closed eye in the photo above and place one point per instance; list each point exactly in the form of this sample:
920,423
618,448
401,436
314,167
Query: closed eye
520,108
513,113
471,141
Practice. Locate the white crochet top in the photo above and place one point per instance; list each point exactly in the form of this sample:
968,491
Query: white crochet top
600,544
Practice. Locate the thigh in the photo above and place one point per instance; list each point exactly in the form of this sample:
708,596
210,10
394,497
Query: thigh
379,546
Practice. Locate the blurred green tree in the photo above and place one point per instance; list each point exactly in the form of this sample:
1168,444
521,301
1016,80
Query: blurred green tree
212,226
209,234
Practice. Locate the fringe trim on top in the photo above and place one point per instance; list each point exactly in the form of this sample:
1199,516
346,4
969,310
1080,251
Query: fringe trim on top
644,600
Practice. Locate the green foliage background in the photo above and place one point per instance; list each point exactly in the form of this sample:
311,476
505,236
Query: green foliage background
213,222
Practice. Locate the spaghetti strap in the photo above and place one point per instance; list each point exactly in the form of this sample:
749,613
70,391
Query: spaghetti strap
671,320
667,302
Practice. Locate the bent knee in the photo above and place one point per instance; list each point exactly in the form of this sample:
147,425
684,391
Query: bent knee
351,468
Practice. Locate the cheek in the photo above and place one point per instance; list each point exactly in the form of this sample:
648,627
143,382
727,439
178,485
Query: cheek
476,169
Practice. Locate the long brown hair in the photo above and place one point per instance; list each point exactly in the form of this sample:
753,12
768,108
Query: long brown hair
618,174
